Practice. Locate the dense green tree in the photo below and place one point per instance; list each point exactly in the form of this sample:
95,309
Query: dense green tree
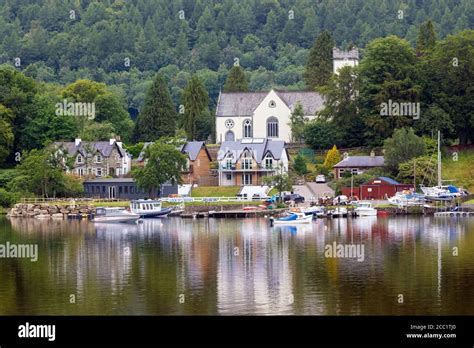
341,109
236,80
6,132
297,123
402,147
319,66
164,163
448,81
196,108
42,172
158,115
321,135
388,74
299,165
426,38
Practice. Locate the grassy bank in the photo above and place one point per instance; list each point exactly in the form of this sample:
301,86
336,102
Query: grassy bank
215,191
461,171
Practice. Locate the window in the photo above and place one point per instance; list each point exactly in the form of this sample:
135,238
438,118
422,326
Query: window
120,189
103,189
98,159
272,104
229,136
97,189
268,162
99,171
132,189
272,127
80,171
79,159
247,179
229,177
126,189
247,161
247,131
229,123
117,158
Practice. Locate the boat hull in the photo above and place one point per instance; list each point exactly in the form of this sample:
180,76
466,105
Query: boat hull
117,219
366,212
155,214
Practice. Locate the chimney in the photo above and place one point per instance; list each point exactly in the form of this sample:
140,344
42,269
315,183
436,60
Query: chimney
111,141
77,141
118,141
372,153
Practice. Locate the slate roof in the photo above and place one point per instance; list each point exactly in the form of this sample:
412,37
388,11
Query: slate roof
340,54
361,161
103,147
191,148
244,103
259,150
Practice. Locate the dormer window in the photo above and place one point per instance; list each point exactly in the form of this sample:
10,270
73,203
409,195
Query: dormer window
247,161
98,159
268,162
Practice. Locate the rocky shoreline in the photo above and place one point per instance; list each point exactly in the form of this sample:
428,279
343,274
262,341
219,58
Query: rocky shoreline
51,211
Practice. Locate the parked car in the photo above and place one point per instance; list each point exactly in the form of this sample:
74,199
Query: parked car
320,179
294,197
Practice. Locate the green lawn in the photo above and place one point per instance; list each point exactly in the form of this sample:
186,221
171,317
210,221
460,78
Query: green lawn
215,191
461,171
469,202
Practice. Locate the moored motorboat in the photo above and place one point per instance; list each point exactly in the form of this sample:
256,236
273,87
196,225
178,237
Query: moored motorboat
107,214
339,212
315,211
293,218
147,208
364,208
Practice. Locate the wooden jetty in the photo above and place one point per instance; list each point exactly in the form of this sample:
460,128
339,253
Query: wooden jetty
234,213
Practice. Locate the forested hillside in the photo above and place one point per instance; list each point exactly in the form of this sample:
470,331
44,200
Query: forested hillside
124,43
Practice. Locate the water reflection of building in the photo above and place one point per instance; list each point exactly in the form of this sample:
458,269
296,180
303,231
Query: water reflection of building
254,274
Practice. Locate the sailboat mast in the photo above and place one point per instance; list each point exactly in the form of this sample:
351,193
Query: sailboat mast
439,159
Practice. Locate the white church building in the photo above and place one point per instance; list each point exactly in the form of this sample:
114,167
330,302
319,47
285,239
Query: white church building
245,115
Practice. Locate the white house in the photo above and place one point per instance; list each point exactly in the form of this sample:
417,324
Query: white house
342,58
247,161
245,115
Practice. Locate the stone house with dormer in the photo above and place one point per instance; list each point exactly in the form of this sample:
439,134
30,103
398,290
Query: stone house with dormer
97,158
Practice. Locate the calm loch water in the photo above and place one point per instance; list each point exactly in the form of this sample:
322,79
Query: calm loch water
241,266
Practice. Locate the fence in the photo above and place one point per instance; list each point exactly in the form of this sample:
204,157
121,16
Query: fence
39,200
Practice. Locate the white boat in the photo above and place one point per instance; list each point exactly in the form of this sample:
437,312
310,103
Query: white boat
364,208
315,211
338,212
114,215
293,218
407,198
147,208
